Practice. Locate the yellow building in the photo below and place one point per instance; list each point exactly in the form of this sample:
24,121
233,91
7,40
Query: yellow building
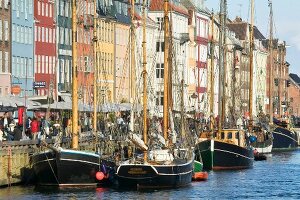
105,54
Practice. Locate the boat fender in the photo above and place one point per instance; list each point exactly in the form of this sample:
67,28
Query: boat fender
252,139
99,176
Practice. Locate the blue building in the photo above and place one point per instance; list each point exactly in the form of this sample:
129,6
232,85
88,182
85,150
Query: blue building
23,45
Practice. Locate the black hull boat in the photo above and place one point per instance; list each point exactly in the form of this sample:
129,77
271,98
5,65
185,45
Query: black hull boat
229,151
284,139
71,168
147,176
219,155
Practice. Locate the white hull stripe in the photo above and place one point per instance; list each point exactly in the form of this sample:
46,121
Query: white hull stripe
234,153
71,160
160,174
163,174
279,133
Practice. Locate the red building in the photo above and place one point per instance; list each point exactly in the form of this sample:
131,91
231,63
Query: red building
202,25
44,48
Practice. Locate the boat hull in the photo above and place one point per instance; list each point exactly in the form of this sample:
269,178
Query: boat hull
218,155
143,176
284,139
68,168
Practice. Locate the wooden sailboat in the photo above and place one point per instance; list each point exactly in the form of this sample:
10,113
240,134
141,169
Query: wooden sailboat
64,167
225,148
157,168
284,137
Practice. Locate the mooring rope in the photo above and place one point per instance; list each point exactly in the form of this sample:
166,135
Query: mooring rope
51,168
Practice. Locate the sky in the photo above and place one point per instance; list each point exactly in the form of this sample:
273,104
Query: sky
286,22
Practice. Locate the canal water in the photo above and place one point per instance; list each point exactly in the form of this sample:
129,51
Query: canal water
276,178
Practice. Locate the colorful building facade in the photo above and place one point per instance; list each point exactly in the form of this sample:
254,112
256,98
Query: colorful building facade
64,45
85,61
45,48
5,48
22,45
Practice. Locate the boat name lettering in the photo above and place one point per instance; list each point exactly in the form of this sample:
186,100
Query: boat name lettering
136,171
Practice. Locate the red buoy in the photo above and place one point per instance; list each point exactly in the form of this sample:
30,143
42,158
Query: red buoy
200,176
99,176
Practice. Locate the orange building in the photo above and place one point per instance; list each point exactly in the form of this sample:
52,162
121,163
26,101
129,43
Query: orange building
85,50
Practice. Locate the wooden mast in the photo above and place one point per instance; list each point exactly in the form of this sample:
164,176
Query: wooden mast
95,39
74,79
251,66
145,130
271,65
212,84
166,70
132,69
132,66
221,65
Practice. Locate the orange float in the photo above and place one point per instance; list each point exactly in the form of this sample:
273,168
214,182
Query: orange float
200,176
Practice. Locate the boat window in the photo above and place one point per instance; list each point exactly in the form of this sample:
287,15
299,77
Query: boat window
229,135
237,135
222,135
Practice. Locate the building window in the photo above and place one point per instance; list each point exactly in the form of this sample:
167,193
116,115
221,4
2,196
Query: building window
46,35
30,7
160,46
5,4
43,34
42,4
17,33
160,23
22,5
22,34
35,33
39,33
46,9
6,32
38,64
61,33
50,10
30,67
160,70
26,9
46,64
50,35
66,33
159,98
6,57
39,8
26,35
17,10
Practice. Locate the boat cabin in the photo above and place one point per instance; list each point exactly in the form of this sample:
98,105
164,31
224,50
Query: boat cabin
233,136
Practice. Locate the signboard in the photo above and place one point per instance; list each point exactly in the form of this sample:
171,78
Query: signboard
39,84
15,89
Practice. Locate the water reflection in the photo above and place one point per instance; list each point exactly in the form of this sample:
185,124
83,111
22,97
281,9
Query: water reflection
275,178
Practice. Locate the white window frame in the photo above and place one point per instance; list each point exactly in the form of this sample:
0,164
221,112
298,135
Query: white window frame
43,34
43,64
46,35
39,8
43,7
46,9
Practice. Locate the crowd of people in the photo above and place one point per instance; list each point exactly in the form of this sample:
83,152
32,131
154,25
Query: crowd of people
33,128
